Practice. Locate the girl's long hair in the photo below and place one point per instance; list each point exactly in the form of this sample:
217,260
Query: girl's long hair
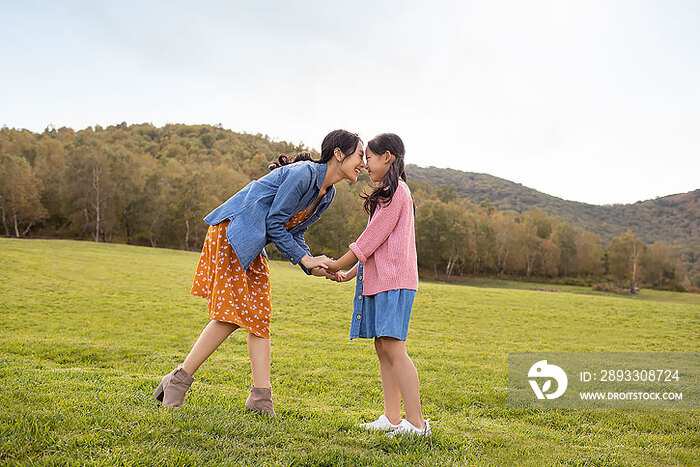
342,139
390,182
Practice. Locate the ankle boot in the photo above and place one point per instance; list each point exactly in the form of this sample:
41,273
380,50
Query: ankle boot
173,387
260,400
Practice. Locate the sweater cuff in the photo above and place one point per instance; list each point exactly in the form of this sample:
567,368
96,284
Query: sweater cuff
356,249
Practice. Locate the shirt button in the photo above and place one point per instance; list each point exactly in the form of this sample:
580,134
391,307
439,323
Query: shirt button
359,297
360,277
358,316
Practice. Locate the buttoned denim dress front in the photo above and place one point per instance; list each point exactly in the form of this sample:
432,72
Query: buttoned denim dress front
385,314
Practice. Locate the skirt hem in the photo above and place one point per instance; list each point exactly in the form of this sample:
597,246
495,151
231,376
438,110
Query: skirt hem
380,335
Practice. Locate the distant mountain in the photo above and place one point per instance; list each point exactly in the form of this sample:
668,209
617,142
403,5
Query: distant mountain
673,219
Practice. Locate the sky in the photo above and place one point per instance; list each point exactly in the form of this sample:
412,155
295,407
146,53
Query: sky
590,101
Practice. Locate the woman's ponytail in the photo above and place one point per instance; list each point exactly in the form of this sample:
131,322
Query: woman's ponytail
283,159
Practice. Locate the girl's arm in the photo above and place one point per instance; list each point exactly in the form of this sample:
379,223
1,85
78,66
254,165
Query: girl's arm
353,272
380,226
348,275
343,262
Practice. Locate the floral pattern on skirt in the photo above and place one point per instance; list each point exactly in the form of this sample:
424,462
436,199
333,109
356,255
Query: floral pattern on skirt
233,295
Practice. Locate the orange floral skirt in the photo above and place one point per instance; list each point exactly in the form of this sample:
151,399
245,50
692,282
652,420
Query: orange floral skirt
233,295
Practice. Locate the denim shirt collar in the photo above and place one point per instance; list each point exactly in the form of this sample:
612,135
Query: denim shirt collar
321,170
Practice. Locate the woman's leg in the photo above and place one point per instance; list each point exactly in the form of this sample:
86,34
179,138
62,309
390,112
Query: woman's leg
211,338
407,377
260,398
390,387
259,353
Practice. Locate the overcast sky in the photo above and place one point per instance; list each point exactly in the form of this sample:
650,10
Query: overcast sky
593,101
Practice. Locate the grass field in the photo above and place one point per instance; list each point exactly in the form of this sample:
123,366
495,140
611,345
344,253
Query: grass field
87,331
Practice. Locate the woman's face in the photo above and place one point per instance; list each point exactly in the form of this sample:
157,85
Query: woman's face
377,164
353,164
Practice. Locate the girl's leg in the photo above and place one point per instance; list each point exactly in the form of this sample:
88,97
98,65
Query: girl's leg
259,353
212,336
390,387
407,377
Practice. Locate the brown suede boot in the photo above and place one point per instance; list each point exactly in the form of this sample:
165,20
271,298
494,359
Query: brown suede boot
172,389
260,400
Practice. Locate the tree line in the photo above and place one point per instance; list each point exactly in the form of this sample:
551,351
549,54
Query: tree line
145,185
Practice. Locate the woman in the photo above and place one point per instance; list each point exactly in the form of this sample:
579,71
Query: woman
233,273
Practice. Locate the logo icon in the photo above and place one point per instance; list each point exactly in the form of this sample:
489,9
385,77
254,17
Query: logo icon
543,370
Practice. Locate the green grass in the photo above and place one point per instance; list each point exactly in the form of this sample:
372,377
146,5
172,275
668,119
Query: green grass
644,294
87,331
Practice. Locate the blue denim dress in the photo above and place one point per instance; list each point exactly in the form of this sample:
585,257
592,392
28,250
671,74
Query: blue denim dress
385,314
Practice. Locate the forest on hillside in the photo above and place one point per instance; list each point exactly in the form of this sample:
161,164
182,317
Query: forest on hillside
674,219
146,185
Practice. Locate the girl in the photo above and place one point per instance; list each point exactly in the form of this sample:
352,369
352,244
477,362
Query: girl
387,280
233,273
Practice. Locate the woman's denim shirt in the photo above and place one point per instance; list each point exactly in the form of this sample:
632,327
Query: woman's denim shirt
259,211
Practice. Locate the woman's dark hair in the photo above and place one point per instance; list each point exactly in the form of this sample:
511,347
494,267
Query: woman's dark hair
390,182
342,139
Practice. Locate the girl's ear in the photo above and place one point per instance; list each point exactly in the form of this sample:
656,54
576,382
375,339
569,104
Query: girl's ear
388,157
338,154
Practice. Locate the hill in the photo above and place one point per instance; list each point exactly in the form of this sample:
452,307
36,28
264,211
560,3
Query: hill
673,219
144,185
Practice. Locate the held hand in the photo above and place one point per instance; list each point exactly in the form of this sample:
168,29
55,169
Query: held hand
336,277
341,276
311,262
332,266
320,272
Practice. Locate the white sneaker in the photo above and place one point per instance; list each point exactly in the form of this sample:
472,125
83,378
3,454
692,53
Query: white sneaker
407,428
380,424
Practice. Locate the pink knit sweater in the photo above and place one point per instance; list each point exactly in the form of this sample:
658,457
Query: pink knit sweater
387,247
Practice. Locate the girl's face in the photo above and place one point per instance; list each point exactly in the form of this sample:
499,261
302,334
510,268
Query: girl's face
353,164
378,164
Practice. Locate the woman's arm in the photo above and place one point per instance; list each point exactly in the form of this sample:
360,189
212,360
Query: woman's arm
289,191
299,238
